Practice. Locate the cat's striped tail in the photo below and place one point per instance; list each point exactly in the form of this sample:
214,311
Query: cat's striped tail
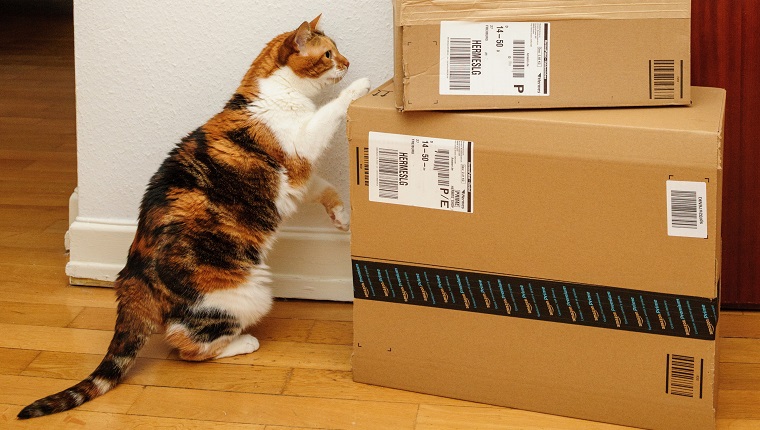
130,334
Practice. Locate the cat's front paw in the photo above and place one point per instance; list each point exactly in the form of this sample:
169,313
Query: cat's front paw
340,218
358,88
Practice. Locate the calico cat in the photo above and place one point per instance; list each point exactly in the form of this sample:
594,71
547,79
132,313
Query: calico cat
210,213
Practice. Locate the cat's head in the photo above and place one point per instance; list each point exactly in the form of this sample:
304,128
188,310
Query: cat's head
312,55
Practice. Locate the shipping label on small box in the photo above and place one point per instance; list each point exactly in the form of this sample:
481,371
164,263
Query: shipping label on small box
494,58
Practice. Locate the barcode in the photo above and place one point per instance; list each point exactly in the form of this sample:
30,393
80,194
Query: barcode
366,167
664,79
441,165
459,63
388,173
683,207
518,59
681,375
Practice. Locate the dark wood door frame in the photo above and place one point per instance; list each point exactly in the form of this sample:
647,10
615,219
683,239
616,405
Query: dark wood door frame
726,54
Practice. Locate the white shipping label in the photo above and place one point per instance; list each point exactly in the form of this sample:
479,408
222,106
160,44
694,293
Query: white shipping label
494,58
687,209
419,171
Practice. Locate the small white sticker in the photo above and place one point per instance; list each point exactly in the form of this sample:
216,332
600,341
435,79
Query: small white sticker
419,171
687,209
494,58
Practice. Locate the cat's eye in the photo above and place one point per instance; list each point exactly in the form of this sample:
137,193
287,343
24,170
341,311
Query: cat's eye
328,54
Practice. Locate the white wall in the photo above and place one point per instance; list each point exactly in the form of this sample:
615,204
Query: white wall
149,72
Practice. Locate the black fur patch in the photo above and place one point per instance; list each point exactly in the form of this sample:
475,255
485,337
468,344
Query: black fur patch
173,174
136,267
214,248
237,102
206,325
243,139
248,196
177,279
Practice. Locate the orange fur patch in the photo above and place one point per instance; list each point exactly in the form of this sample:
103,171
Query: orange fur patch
330,199
193,351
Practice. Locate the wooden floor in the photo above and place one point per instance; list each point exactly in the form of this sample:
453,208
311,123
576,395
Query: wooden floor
52,334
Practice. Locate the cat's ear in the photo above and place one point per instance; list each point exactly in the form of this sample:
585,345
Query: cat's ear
314,24
302,36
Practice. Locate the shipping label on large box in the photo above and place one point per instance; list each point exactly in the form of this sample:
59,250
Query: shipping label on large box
419,171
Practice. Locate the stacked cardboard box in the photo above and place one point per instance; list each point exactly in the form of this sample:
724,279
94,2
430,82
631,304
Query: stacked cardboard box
560,261
505,54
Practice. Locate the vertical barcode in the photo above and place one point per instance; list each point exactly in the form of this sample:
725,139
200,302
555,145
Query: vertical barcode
518,59
681,371
683,208
441,165
388,173
663,79
459,63
366,167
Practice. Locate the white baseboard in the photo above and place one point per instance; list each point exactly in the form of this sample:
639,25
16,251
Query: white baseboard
306,262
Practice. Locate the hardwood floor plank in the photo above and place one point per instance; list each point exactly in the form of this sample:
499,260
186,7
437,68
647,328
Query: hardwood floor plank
26,274
34,256
30,218
439,417
304,309
37,314
167,373
740,324
95,319
293,428
274,410
65,156
297,355
739,350
332,332
55,293
739,404
739,376
340,385
282,329
22,390
59,339
49,241
84,420
14,361
735,424
23,193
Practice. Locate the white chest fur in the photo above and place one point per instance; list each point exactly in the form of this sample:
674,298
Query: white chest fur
285,107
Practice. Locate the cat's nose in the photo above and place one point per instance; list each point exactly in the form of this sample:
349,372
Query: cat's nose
348,63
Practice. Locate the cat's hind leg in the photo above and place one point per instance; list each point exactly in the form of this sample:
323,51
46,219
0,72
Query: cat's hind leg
203,334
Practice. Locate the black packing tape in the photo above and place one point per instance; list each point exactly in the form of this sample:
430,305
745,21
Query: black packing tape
538,299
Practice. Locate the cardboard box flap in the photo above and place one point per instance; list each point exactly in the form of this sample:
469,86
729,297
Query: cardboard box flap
422,12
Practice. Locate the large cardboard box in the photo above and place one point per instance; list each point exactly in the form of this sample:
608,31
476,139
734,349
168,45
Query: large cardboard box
561,261
505,54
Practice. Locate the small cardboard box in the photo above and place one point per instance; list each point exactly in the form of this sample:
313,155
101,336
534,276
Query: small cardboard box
507,54
560,261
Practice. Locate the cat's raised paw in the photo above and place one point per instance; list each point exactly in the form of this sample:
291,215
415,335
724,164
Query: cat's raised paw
358,88
340,218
